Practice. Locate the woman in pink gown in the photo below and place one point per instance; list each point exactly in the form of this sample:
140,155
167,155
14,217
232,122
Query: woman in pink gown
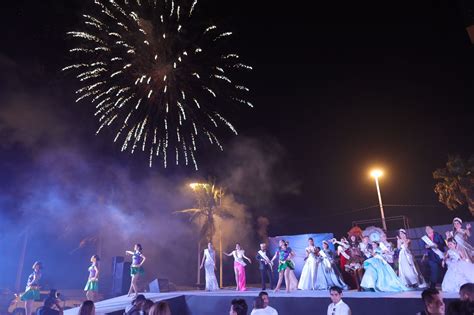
239,266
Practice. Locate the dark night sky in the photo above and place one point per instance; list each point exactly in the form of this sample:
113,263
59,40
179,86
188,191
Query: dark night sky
338,88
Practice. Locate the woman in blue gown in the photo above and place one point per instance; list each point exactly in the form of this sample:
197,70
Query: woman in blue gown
379,275
330,270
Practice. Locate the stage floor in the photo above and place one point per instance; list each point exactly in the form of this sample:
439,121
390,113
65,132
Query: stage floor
296,302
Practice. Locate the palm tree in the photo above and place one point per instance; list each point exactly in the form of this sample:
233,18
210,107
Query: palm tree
456,183
209,207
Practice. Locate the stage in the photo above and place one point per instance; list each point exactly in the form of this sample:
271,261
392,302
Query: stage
298,302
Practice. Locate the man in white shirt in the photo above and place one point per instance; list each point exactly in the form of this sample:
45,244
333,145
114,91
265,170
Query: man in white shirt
337,307
267,309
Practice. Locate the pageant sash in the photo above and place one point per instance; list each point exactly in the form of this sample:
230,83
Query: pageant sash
383,247
432,246
265,257
325,259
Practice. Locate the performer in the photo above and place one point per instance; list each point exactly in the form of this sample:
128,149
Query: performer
387,249
329,270
365,247
239,267
209,263
136,269
353,266
284,265
461,236
308,274
265,265
32,292
407,267
434,247
293,279
342,251
379,275
460,268
92,285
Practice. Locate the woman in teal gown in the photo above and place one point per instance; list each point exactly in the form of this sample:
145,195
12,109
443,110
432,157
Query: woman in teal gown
379,275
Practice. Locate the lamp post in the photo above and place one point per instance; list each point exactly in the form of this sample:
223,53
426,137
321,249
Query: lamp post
376,174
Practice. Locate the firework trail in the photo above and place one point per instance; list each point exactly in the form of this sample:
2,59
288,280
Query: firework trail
158,76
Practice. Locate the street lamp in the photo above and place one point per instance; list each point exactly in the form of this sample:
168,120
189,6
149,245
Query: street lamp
376,174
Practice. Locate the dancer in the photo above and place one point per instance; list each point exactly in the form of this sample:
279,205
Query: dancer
433,255
329,269
209,261
460,268
308,274
379,276
407,267
239,267
92,285
461,236
136,269
265,265
293,279
284,265
32,292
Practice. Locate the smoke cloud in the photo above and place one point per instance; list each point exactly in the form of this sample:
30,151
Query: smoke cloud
68,194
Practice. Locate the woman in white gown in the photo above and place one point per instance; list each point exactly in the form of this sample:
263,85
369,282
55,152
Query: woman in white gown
407,269
460,268
209,263
461,236
308,274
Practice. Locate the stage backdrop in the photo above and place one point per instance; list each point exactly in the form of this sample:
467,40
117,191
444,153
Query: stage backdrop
298,244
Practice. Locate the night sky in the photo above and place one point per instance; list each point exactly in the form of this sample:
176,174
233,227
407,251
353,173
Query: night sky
337,90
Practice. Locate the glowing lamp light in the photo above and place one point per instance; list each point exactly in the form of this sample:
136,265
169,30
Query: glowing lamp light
196,186
376,173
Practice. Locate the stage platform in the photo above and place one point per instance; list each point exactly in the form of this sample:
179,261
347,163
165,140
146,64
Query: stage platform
297,302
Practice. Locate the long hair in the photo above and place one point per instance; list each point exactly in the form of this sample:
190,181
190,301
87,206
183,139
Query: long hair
87,308
160,308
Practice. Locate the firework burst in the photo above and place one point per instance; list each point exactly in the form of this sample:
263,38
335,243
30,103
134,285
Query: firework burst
157,75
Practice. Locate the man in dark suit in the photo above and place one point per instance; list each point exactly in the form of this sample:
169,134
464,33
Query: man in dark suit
265,265
431,255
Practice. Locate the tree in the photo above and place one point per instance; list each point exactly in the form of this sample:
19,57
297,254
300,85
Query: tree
209,207
456,183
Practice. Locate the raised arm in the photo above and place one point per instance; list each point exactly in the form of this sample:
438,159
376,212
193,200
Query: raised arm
129,252
230,254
